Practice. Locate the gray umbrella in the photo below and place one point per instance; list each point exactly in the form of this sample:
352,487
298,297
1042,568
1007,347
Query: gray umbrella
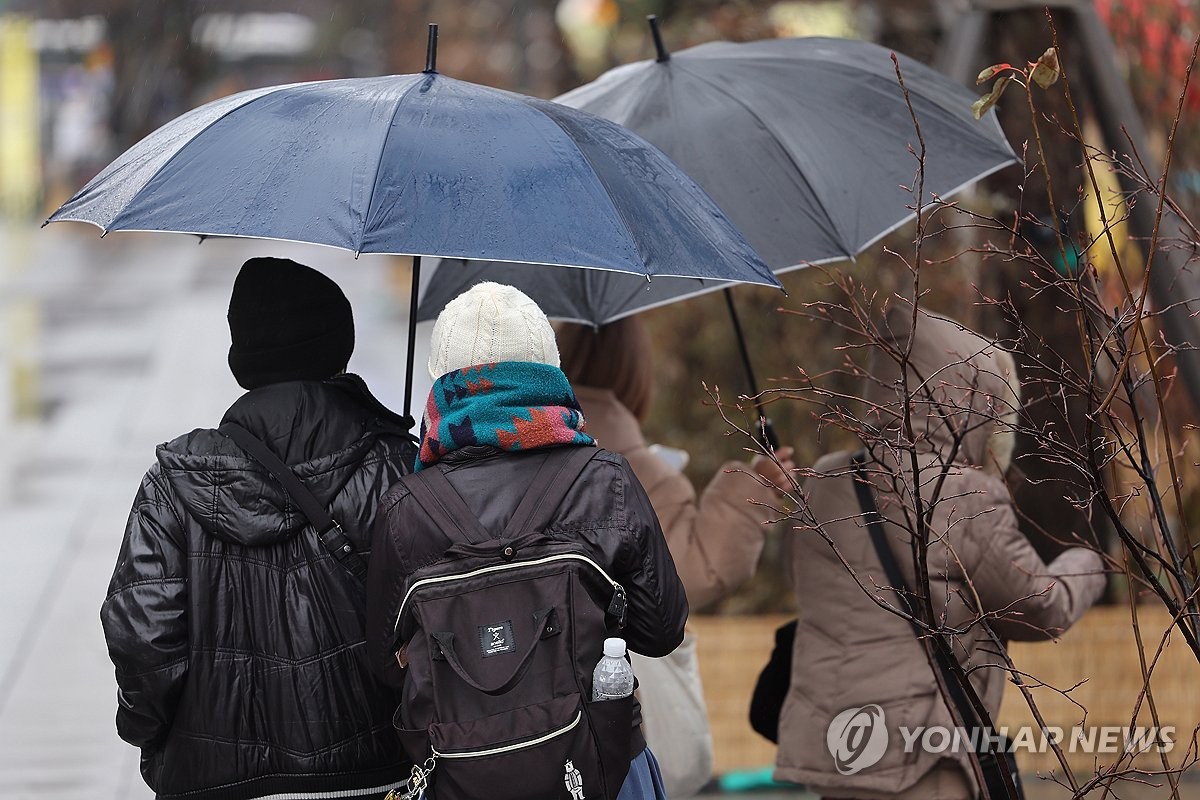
804,143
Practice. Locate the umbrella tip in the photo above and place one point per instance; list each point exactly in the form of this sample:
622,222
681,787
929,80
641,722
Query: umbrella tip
659,47
431,49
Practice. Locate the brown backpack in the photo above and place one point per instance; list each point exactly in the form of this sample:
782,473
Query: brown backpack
502,635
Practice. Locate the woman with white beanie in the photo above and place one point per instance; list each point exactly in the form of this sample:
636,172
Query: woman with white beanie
499,408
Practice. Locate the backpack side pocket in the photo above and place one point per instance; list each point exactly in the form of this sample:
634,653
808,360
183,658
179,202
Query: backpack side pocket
611,722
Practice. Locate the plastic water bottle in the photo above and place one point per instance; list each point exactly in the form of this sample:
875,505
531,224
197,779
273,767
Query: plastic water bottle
613,677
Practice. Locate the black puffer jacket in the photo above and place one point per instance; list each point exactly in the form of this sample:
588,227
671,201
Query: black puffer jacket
238,640
606,508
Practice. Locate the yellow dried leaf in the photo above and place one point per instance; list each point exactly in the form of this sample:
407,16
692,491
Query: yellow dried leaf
1046,71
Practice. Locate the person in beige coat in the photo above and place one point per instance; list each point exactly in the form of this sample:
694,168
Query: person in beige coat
848,651
715,538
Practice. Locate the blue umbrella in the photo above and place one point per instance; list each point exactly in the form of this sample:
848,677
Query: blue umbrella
420,165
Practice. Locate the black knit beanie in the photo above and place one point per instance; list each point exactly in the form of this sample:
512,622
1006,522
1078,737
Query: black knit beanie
287,322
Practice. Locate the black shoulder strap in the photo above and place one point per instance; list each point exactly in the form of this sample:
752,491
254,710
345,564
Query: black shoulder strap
445,506
329,532
874,520
997,773
550,485
891,567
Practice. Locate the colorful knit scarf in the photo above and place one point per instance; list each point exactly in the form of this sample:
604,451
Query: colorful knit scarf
513,405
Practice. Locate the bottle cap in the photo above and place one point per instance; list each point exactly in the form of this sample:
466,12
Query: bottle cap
614,647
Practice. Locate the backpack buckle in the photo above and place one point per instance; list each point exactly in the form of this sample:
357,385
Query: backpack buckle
334,539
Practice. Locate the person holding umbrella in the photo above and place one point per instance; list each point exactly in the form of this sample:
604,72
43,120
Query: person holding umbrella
715,539
236,624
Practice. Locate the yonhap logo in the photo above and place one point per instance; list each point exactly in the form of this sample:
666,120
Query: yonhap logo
857,738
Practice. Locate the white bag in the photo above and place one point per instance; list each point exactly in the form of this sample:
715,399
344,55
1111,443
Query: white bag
674,717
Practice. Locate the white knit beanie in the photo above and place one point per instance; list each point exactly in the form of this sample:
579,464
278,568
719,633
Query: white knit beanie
487,323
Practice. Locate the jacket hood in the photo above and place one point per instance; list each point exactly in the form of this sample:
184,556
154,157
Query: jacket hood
323,430
963,386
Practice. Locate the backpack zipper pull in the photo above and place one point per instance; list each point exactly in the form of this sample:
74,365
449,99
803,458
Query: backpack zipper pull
417,782
617,607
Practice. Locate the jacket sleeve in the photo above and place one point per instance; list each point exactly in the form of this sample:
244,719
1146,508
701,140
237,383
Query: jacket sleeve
658,607
145,616
384,583
717,541
1030,600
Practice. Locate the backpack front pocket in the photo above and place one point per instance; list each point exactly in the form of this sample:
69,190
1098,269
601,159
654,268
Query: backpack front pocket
558,758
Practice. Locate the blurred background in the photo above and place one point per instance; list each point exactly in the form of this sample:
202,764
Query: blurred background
109,347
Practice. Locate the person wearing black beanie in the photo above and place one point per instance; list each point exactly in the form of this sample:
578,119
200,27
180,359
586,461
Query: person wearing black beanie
287,322
237,625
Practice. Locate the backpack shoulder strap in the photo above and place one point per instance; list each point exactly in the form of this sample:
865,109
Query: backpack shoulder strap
444,505
549,486
328,531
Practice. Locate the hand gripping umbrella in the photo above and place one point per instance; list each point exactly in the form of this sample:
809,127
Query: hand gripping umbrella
804,143
421,165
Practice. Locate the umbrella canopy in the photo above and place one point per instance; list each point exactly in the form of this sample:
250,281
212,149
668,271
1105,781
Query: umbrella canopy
588,297
804,143
420,165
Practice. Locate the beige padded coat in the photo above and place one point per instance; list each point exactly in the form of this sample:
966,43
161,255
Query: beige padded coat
716,540
848,651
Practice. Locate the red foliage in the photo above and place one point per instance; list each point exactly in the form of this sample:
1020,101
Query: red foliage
1156,38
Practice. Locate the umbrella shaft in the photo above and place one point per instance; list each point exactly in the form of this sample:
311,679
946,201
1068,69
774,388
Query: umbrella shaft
412,333
741,340
765,428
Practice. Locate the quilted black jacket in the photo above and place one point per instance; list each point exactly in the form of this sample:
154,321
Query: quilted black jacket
238,640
